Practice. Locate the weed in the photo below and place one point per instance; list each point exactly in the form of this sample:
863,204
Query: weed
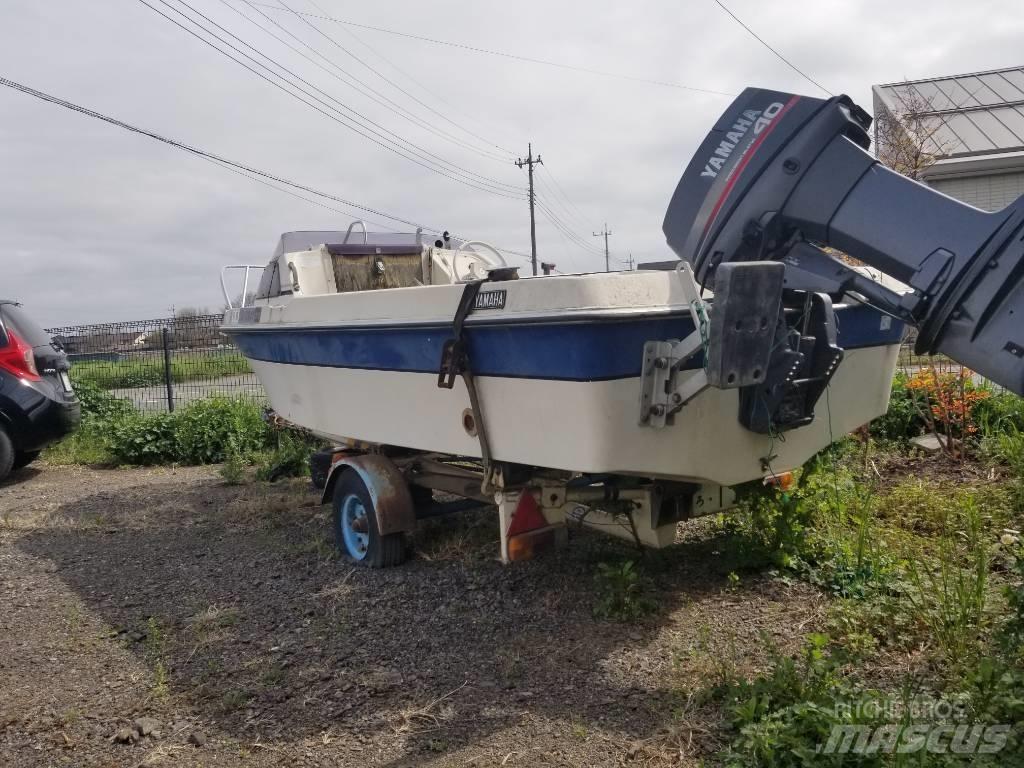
713,659
288,458
161,681
579,728
952,599
902,420
214,618
155,648
783,716
272,676
623,593
234,699
233,469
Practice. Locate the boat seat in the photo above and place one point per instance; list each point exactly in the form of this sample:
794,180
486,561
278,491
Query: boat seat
367,267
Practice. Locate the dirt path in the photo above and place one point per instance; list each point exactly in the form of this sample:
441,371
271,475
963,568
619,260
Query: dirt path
221,616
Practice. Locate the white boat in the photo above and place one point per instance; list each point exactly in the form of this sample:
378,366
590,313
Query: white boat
599,397
347,339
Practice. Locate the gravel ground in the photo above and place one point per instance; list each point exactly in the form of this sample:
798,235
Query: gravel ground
216,620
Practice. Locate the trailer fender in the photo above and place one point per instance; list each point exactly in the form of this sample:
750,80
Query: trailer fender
389,492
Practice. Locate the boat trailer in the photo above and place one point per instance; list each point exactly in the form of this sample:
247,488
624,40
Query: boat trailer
379,494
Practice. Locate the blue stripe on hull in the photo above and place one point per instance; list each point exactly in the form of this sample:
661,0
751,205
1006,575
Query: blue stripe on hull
567,351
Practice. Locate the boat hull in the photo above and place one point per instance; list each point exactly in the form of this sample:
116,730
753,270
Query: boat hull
575,426
557,368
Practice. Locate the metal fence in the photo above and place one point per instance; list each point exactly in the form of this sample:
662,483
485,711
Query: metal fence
911,364
158,365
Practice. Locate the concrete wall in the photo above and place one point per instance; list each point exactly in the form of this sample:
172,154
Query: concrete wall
989,192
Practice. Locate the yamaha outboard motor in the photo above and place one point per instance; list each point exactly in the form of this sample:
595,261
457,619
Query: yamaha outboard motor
779,178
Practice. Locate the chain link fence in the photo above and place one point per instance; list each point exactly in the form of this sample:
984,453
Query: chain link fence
158,365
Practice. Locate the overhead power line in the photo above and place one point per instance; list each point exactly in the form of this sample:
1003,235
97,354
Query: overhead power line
354,82
558,195
266,178
782,58
203,153
405,149
443,113
565,229
503,54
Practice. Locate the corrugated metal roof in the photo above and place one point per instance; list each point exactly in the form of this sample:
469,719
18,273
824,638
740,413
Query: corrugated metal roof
972,114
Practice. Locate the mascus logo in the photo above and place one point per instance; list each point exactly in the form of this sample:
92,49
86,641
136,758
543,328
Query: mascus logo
751,117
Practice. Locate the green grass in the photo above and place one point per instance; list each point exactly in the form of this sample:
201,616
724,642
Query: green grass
924,577
148,370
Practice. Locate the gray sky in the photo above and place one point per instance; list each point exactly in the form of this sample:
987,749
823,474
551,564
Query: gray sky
99,225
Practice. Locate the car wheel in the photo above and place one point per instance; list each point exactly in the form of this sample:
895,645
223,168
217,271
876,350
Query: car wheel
355,527
6,455
24,458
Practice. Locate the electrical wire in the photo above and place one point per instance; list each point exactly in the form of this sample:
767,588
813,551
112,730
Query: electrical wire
566,230
553,200
433,94
391,145
579,214
364,88
419,151
205,154
254,174
782,58
504,54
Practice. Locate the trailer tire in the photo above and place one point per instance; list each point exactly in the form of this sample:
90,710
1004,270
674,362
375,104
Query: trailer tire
356,532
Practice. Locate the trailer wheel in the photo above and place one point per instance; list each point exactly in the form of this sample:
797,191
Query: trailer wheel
356,532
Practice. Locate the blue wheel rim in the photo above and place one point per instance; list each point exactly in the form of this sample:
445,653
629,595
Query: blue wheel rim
354,526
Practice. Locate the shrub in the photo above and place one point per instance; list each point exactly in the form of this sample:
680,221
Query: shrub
902,420
97,403
142,439
289,458
203,432
206,430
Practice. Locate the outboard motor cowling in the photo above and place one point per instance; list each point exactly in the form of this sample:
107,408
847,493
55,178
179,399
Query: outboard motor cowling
781,176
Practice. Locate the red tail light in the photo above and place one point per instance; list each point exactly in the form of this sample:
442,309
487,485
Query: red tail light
18,358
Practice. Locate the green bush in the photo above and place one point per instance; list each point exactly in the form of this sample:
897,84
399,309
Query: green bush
97,403
206,430
289,458
902,420
142,439
1001,413
203,432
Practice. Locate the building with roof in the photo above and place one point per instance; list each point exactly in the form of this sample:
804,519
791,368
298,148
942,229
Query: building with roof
969,128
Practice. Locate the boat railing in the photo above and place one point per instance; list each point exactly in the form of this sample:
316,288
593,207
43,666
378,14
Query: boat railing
245,283
348,232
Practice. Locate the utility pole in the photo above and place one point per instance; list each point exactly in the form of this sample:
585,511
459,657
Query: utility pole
629,262
607,266
529,162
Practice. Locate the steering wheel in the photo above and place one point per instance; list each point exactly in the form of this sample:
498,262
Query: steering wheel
474,271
